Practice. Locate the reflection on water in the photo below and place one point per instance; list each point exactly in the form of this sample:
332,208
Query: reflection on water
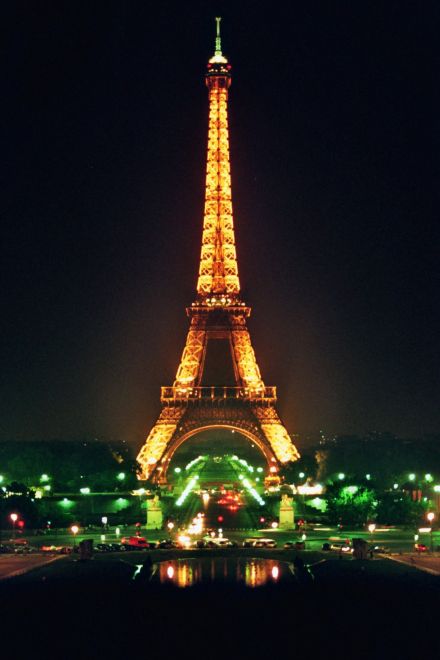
241,570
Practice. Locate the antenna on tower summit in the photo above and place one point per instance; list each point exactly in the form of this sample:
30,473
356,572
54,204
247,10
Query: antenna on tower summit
218,41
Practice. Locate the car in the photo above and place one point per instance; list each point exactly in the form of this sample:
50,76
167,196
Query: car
102,547
135,543
379,549
166,544
341,547
5,548
65,550
264,543
117,547
22,549
420,547
297,545
248,543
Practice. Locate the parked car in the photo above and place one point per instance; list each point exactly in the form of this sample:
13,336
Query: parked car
166,544
65,550
379,549
341,547
135,543
420,547
5,548
296,545
264,543
117,547
102,547
248,543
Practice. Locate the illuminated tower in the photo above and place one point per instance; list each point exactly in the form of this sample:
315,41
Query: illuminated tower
218,313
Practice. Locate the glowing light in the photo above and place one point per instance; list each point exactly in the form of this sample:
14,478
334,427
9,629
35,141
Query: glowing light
205,498
307,489
368,477
170,572
102,537
194,462
121,476
259,469
395,486
177,470
188,488
430,516
424,530
104,520
85,490
44,477
74,529
341,476
47,488
170,525
411,476
301,475
274,525
437,489
275,572
117,531
371,527
429,477
1,478
184,540
351,489
14,517
138,491
253,492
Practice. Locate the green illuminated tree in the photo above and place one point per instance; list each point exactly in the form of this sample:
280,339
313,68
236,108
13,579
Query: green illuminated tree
350,505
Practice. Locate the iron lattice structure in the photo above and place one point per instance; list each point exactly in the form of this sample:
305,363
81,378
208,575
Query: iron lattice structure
218,313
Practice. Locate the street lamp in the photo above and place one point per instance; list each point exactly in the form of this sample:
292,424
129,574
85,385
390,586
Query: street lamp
430,516
74,529
14,518
371,527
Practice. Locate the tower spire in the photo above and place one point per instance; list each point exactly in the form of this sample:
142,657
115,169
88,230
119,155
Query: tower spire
218,42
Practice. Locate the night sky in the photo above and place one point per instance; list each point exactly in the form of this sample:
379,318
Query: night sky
334,131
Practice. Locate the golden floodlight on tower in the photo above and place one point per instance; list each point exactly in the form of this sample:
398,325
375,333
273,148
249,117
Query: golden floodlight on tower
217,313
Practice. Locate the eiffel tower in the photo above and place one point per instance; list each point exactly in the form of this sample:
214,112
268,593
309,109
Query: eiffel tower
218,313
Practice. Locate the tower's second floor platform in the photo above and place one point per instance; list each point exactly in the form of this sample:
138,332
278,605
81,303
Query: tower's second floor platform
218,393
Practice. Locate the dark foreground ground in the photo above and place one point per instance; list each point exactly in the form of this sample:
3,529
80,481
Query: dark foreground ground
360,609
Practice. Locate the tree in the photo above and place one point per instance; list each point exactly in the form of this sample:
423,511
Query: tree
398,509
352,505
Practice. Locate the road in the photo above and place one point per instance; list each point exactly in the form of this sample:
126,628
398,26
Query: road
12,565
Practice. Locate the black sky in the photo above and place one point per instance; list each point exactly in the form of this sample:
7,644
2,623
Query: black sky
334,130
